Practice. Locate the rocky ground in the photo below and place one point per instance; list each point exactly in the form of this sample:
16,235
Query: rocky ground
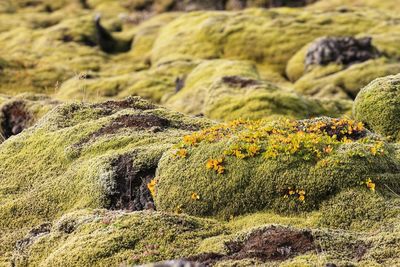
199,133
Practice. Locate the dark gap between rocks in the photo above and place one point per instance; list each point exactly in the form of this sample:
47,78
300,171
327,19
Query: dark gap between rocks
15,118
131,190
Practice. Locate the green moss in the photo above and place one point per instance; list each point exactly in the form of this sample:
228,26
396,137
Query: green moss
227,90
354,209
254,34
378,105
340,82
99,238
70,158
246,167
156,84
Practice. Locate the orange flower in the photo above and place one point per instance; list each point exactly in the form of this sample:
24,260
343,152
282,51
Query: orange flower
195,196
152,187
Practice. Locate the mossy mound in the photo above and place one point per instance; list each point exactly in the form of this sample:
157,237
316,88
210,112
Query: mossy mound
230,89
22,111
254,34
336,80
378,106
84,156
287,166
156,84
356,210
105,238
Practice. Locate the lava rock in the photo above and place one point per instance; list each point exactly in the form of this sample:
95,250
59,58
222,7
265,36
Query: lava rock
341,50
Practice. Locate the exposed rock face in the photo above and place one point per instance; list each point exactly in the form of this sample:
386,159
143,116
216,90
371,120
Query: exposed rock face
20,112
341,50
107,42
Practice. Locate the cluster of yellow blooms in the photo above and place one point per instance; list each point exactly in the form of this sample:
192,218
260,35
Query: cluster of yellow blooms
299,194
216,165
307,139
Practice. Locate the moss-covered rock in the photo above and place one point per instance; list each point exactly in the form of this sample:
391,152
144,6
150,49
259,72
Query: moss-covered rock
288,166
229,89
253,34
337,80
104,238
378,106
84,156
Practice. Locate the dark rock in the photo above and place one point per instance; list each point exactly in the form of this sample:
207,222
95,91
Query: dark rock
15,118
237,81
341,50
107,42
33,234
179,83
131,191
174,263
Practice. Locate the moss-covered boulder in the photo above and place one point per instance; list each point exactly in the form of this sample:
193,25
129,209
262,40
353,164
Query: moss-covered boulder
378,106
231,89
105,238
287,166
253,34
84,156
337,79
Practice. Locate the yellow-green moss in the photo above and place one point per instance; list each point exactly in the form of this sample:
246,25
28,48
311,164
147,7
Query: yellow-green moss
339,82
228,89
65,162
254,34
245,167
378,106
104,238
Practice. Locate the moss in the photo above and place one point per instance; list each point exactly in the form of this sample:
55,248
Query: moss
114,238
345,83
251,166
155,84
227,89
253,34
76,156
354,209
378,104
198,81
387,6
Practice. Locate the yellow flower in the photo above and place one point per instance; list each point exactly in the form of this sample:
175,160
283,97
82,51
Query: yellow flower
216,165
195,196
181,153
291,192
302,198
328,149
152,187
178,210
302,192
370,184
